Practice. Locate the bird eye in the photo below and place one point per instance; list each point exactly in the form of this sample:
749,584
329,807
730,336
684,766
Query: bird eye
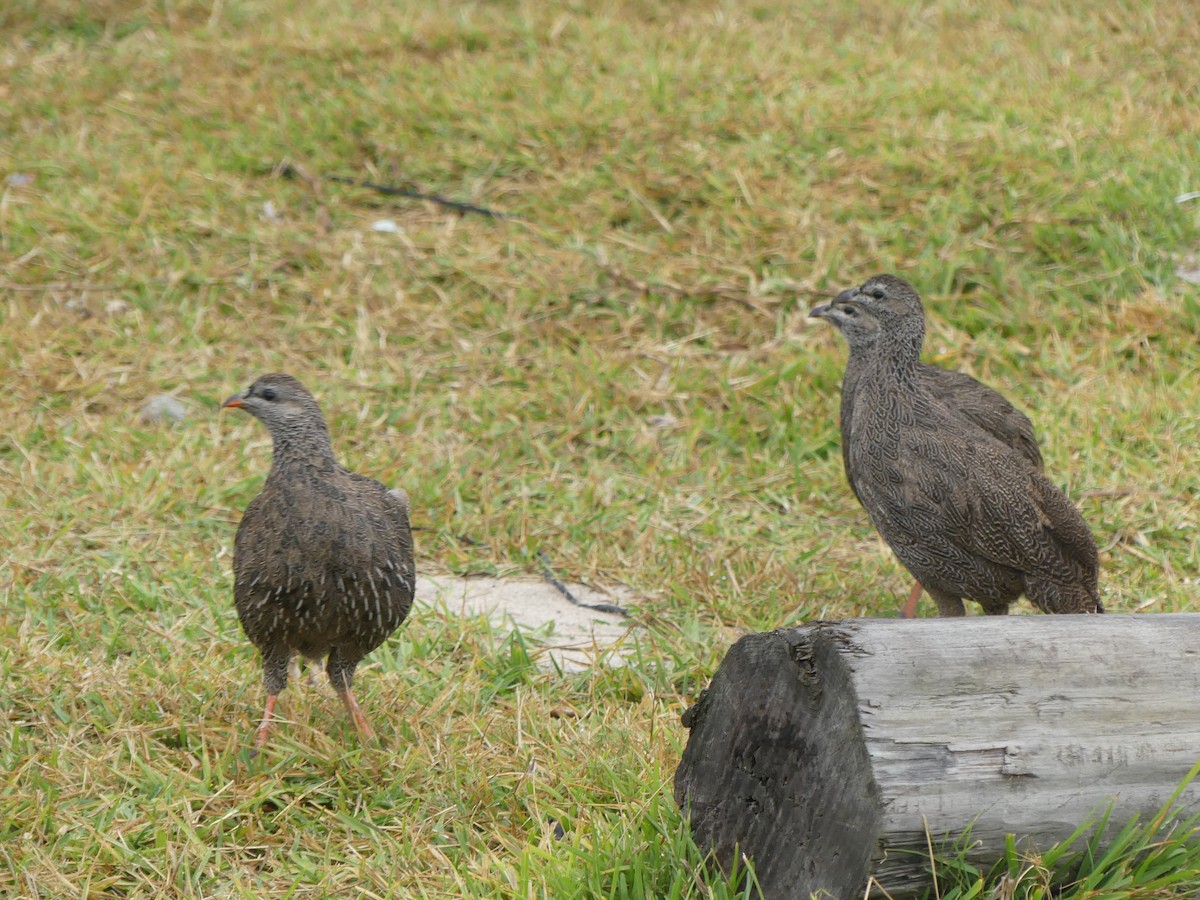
268,394
877,293
849,311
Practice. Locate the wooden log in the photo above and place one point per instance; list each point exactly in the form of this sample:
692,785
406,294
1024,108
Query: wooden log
829,754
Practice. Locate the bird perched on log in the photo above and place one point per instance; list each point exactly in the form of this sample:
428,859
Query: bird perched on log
966,513
961,394
323,559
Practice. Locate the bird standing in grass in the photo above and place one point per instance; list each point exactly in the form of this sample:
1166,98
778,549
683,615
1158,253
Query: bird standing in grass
961,394
967,511
323,559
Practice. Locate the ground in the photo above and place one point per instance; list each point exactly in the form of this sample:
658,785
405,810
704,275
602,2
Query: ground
618,380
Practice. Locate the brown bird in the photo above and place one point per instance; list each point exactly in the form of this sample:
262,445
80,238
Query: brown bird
323,559
966,513
961,394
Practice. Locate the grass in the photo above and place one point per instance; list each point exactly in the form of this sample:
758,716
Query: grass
622,378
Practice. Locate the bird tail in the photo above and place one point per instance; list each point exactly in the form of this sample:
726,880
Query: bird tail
1056,597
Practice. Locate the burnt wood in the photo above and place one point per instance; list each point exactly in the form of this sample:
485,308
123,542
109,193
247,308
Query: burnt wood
832,753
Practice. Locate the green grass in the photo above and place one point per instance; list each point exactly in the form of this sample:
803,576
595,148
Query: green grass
624,378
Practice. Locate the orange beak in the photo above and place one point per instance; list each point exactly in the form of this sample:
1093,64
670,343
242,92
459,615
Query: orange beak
234,402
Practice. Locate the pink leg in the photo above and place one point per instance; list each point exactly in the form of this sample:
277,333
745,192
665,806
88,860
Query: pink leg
910,608
356,715
260,737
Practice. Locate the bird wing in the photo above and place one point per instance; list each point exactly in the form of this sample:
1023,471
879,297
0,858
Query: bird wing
259,570
1009,513
391,530
983,407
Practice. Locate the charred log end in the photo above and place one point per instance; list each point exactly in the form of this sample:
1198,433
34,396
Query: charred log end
776,768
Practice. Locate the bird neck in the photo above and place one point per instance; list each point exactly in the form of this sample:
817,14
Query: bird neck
306,446
894,359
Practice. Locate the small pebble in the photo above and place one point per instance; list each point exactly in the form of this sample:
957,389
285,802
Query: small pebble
1187,268
162,408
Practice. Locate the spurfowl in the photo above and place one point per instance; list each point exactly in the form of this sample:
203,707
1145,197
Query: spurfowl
961,394
323,559
967,514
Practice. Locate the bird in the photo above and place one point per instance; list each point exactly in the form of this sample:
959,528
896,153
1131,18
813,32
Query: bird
323,557
961,394
967,514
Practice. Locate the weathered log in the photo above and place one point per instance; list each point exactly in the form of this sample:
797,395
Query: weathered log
832,753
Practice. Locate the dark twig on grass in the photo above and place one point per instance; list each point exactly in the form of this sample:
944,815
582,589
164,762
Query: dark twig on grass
469,541
81,287
391,191
718,292
730,292
548,574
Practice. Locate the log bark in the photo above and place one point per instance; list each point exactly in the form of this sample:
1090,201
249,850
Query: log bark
829,755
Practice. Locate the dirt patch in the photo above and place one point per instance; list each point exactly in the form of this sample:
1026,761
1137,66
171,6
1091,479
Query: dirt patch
563,634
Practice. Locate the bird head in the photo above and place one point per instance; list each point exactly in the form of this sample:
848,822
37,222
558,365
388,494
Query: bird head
879,303
278,401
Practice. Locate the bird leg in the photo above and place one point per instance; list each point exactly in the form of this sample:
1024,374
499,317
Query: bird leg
910,608
275,676
365,731
260,736
341,673
947,604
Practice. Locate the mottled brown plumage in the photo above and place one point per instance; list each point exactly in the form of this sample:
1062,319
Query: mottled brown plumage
967,514
323,562
962,395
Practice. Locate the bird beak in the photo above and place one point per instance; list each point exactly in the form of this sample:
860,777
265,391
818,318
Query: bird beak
234,402
826,309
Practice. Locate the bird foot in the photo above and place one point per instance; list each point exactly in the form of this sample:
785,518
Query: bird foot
910,608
